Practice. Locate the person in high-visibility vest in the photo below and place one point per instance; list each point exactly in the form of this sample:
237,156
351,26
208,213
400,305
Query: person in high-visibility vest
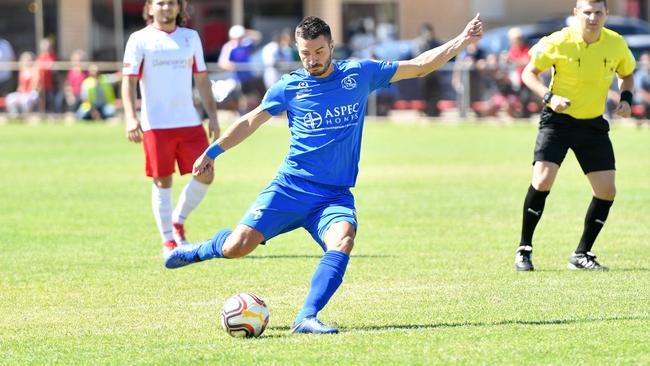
97,96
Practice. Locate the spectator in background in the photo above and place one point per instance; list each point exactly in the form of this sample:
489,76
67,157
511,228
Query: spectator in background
363,38
97,96
468,73
518,57
235,57
499,87
75,77
25,98
427,40
518,54
6,55
642,84
277,57
47,82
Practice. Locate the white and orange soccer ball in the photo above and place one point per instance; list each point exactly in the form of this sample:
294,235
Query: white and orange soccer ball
244,315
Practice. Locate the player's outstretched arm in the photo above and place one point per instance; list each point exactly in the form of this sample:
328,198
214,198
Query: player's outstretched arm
204,88
236,133
435,58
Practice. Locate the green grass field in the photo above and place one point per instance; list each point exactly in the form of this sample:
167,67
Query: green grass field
431,279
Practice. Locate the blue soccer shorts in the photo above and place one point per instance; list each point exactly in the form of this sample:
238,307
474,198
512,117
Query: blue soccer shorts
290,202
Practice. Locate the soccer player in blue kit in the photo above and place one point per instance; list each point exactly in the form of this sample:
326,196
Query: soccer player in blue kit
325,104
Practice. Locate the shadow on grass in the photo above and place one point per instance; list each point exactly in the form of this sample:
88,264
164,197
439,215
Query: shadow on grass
632,269
467,324
500,323
288,256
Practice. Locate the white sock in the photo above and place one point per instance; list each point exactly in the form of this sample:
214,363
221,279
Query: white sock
191,196
161,203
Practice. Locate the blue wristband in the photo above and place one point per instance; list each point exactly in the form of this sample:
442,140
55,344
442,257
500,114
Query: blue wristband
213,151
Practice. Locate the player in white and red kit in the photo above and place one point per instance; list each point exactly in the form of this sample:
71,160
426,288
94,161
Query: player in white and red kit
164,57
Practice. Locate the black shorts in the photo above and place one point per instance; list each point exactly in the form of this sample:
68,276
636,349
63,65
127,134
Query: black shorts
588,138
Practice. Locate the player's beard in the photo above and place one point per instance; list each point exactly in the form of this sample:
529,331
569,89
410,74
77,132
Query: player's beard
324,70
167,20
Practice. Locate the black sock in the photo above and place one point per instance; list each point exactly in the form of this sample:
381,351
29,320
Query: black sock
594,221
533,207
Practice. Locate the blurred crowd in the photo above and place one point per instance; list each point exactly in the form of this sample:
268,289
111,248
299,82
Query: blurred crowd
477,84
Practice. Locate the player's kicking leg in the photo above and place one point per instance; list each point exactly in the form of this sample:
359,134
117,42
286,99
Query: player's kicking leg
225,244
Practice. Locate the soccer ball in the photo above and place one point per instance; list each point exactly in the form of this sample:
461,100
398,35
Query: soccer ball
244,315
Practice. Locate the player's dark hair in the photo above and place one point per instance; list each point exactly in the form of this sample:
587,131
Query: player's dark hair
181,18
312,27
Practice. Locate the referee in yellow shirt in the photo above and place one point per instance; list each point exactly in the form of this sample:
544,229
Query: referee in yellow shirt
584,58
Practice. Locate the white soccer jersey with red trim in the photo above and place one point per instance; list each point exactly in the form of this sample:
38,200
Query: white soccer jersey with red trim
164,63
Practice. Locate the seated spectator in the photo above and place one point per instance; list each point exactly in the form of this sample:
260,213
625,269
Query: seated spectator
75,77
25,99
97,97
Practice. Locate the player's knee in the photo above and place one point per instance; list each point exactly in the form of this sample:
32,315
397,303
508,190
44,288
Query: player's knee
608,193
345,245
542,184
205,178
239,244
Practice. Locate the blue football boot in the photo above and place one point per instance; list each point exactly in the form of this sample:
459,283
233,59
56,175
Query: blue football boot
185,255
312,325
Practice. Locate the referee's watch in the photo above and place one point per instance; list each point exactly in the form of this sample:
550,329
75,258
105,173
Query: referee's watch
547,97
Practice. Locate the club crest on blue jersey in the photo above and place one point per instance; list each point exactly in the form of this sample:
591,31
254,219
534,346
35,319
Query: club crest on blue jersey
349,82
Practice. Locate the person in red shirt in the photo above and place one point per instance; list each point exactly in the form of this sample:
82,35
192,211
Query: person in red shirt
75,77
518,57
25,98
47,81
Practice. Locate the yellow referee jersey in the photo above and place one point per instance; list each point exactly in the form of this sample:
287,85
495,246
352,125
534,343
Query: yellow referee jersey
583,72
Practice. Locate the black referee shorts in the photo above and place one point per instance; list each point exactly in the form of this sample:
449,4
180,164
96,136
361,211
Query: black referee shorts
588,138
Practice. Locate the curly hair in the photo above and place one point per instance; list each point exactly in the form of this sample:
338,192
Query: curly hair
181,18
312,27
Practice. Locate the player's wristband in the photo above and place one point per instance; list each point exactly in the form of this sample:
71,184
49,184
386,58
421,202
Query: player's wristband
213,151
626,96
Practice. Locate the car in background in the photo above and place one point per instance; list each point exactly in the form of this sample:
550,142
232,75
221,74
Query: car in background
638,44
496,40
621,25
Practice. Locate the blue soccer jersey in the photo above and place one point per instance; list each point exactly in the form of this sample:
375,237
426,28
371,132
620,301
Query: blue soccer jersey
326,118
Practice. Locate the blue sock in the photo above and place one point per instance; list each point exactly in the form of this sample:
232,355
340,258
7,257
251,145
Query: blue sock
326,280
212,248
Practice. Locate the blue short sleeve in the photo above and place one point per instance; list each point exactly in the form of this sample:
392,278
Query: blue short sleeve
380,72
274,101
